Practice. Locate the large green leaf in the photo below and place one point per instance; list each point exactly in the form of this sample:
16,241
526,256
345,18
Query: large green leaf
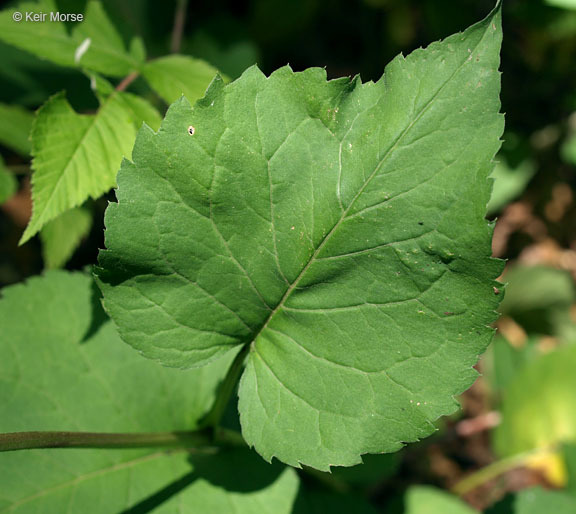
94,43
77,156
336,229
63,367
176,75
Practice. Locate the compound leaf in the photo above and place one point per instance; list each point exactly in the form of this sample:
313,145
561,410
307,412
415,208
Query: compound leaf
336,228
64,368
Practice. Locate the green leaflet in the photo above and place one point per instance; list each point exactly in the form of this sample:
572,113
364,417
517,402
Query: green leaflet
105,51
65,369
61,236
337,228
77,156
176,75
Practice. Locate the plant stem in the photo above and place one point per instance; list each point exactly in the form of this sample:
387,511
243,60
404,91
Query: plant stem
29,440
492,471
212,419
178,29
20,169
127,80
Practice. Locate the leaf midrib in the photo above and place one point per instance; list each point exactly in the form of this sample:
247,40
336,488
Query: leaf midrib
345,212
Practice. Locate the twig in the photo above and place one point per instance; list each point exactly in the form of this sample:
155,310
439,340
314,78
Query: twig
127,80
178,29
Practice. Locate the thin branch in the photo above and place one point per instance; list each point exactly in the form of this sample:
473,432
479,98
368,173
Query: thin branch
29,440
178,29
127,80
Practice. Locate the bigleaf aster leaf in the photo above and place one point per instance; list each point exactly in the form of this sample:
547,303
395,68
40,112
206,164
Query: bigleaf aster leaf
335,227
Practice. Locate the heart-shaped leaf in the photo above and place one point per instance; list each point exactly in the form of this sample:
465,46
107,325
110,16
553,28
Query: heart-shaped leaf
335,229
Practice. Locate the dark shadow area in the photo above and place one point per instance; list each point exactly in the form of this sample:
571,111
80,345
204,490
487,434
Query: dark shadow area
236,469
504,506
152,502
99,317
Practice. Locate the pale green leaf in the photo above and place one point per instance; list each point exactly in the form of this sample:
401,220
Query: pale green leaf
77,156
94,44
64,368
141,111
429,500
46,39
176,75
335,229
539,406
106,52
61,236
15,125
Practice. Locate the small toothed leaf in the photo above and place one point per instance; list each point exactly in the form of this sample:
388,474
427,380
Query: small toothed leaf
76,156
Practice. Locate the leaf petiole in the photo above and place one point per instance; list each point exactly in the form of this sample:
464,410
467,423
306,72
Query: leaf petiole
226,389
30,440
